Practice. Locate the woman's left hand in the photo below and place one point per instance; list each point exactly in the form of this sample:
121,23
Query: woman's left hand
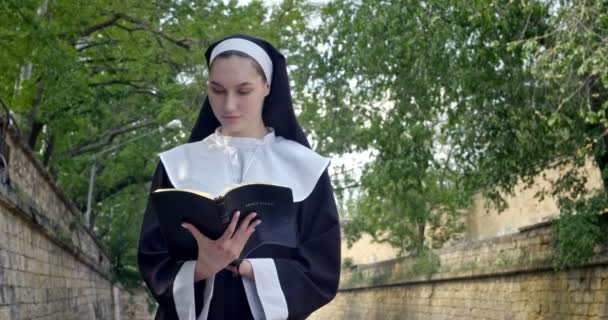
245,269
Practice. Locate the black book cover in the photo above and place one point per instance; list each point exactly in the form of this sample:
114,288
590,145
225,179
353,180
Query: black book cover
211,216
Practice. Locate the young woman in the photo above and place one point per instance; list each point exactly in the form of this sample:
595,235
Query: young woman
246,132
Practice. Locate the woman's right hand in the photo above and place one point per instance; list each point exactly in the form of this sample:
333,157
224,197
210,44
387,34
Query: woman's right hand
215,255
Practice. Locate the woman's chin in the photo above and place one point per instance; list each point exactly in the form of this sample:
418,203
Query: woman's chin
230,128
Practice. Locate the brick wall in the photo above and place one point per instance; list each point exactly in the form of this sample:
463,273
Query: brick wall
509,277
50,266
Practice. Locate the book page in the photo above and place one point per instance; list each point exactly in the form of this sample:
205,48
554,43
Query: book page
200,193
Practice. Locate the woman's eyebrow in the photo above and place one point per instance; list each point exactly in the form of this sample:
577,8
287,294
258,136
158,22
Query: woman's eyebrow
215,83
242,84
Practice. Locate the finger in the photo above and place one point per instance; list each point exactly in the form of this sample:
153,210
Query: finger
247,221
199,237
242,236
251,227
231,227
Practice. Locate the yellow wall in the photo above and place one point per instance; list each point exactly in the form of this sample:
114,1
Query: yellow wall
523,208
365,251
480,223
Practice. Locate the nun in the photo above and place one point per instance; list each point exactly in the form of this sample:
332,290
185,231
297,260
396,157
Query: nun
246,131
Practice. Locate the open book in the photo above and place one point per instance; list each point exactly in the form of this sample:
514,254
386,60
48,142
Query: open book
211,215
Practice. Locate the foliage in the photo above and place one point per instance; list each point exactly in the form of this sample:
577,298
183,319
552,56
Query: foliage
97,82
371,94
578,231
426,263
454,98
347,263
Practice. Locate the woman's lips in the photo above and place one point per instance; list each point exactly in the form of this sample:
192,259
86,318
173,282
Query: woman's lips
231,118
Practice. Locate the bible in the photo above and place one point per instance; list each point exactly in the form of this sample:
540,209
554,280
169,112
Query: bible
211,215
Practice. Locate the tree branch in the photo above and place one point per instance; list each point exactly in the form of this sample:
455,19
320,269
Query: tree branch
140,25
121,185
35,126
95,69
184,43
352,186
149,92
88,31
131,83
166,56
107,138
108,59
88,45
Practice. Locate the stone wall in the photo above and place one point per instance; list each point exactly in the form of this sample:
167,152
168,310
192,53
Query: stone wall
508,277
51,267
133,304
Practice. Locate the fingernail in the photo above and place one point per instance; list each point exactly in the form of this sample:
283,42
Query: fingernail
238,213
184,225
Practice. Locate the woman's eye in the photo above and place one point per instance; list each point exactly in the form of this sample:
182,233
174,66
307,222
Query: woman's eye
217,91
244,93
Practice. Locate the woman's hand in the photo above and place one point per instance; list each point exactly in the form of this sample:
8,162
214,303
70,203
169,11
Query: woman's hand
215,255
245,270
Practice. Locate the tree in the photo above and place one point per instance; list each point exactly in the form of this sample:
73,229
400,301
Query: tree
456,97
571,59
380,85
83,78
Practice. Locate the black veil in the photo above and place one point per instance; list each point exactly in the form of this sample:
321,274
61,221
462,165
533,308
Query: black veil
277,112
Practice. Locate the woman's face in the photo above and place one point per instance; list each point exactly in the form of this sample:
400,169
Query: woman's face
236,92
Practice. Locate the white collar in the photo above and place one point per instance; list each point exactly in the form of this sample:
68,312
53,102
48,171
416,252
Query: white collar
205,165
218,138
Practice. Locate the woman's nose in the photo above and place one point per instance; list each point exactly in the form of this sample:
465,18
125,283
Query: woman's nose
230,103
